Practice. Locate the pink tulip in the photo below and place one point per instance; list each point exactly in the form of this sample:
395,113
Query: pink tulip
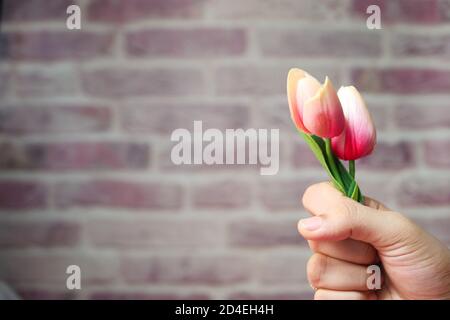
359,137
315,109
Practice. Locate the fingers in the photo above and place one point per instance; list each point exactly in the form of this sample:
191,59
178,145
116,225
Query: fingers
318,197
345,236
337,217
329,273
347,250
325,294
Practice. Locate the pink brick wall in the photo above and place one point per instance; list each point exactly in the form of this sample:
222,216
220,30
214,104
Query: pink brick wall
86,118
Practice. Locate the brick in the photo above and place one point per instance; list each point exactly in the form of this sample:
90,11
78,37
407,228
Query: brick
161,234
5,85
75,156
101,155
4,47
253,9
437,153
164,118
47,294
380,113
132,10
400,11
186,43
285,294
42,233
117,82
424,191
135,294
285,269
327,10
225,195
57,45
35,10
259,233
47,82
444,9
22,195
389,156
119,194
209,270
284,195
278,10
414,45
419,117
314,43
380,187
302,158
67,119
402,80
251,80
359,7
50,268
275,115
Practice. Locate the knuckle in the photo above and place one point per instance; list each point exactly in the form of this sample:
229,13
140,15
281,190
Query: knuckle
316,268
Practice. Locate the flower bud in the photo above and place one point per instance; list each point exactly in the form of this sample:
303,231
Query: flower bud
359,137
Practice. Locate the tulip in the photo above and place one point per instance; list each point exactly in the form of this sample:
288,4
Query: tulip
315,109
359,137
310,84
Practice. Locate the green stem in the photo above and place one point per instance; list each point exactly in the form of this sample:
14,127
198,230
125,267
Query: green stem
351,168
330,157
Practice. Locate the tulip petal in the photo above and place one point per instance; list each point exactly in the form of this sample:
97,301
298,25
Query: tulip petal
359,137
293,78
322,114
306,89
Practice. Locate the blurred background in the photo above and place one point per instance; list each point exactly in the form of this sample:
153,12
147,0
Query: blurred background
86,117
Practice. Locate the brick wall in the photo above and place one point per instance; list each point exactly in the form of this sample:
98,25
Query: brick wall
86,118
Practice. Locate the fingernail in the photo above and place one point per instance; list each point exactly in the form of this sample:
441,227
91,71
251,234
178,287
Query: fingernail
311,224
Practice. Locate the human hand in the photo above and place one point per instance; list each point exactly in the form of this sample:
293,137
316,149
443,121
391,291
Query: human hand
347,236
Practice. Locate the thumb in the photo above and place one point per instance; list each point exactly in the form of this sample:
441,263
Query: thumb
336,217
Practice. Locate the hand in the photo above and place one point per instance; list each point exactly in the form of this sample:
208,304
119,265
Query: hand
347,236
